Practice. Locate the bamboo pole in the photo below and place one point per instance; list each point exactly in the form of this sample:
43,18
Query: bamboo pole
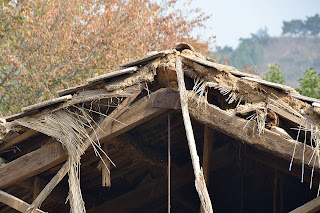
199,179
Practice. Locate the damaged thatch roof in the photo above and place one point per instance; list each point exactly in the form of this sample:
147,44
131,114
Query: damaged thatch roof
269,116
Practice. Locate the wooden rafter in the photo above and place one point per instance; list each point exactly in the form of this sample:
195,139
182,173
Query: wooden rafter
15,202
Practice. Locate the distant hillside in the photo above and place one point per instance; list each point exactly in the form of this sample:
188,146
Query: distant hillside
293,54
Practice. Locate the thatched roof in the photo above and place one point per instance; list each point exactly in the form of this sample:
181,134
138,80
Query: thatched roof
123,115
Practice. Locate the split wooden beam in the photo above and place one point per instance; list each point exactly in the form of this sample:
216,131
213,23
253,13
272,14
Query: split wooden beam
236,127
52,154
15,202
199,179
312,206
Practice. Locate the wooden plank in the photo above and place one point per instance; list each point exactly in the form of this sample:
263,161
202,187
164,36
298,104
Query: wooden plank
18,139
310,207
147,58
270,84
48,156
288,116
112,74
234,126
72,89
47,103
32,164
304,98
15,202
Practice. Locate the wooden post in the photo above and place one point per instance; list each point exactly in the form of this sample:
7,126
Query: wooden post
36,187
169,163
208,141
198,173
275,188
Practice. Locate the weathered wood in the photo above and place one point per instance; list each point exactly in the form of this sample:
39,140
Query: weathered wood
112,74
304,98
288,116
199,179
49,187
72,89
32,164
310,207
36,187
147,58
15,202
270,84
46,103
208,140
105,169
145,193
269,141
53,154
18,139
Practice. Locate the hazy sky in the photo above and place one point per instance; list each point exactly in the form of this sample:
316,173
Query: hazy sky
234,19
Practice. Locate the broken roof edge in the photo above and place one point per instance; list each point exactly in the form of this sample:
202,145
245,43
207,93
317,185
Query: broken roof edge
133,66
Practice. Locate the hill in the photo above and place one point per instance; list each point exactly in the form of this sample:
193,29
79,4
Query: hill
293,54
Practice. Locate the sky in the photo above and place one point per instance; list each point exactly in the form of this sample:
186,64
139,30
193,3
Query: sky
234,19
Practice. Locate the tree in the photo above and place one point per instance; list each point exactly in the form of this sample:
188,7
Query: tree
294,27
312,24
298,27
274,74
47,45
310,84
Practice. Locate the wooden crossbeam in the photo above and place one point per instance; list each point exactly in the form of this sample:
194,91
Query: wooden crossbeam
233,126
53,154
15,202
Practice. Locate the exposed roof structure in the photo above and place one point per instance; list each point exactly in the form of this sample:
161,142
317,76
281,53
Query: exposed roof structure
127,142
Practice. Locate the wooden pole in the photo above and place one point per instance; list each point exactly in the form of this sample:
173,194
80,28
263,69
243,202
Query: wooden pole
15,202
208,141
169,163
199,179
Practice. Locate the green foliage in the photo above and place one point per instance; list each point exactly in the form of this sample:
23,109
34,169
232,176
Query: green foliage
274,74
310,84
250,50
298,27
247,53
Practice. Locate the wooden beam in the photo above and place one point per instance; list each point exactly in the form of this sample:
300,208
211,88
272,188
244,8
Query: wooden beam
268,141
310,207
18,139
208,140
32,164
15,202
50,155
